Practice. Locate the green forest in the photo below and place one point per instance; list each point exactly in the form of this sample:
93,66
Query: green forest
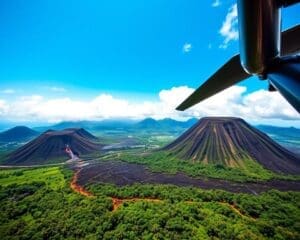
39,204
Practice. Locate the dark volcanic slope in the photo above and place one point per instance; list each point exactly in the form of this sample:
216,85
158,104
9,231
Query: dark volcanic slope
83,133
122,174
51,144
229,141
19,133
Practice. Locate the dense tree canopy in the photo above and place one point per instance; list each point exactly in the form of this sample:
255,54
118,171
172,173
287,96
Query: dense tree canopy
34,209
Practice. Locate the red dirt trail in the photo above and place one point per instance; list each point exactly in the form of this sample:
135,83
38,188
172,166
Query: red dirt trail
77,188
117,202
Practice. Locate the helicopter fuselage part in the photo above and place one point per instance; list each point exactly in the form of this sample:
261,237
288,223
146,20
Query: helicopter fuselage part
259,34
265,51
285,78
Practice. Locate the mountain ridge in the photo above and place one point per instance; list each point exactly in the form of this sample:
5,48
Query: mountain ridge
18,133
52,144
230,141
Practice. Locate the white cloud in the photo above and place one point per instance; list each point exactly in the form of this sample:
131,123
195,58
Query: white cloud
3,107
57,89
216,3
187,47
234,101
229,27
8,91
265,104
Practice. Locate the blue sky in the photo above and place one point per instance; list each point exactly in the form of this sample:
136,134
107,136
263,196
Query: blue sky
130,50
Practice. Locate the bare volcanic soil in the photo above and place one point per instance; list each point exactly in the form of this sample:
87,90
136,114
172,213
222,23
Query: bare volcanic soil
229,141
122,173
82,133
51,144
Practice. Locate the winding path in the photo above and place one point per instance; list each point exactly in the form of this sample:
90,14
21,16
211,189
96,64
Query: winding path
121,173
78,188
117,202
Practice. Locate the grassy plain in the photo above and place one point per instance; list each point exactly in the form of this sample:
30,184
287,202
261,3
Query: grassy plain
52,177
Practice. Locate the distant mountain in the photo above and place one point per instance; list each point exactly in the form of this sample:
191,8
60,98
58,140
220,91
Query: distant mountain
17,134
167,124
75,124
171,123
148,123
281,131
52,144
5,126
229,141
164,124
93,125
115,124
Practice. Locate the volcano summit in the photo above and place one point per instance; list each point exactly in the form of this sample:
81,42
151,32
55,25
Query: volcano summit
52,144
230,141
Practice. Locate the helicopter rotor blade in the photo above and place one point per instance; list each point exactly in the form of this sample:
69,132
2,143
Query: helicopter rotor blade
229,74
232,72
